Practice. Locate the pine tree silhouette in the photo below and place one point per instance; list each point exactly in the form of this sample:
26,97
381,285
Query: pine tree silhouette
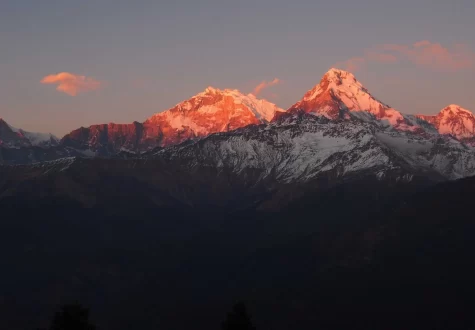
238,319
72,317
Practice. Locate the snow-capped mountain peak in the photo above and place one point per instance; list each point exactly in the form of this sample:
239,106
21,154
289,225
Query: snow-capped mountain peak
453,120
211,90
339,95
456,109
340,77
261,108
219,108
338,92
211,111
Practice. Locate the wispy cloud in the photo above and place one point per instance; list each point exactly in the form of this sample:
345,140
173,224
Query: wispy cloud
266,84
434,55
423,53
71,83
353,64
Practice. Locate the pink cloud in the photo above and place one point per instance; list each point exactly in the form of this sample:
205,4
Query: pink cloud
72,84
381,57
265,84
434,55
423,53
353,64
274,96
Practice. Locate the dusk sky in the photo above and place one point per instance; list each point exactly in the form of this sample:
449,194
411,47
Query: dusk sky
126,60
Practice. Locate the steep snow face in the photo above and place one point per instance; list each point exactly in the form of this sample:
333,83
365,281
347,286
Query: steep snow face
15,137
298,148
340,96
231,103
291,152
209,112
262,109
445,155
453,120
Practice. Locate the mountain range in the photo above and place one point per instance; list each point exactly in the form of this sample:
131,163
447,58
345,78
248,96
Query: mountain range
338,96
237,152
316,215
337,126
211,111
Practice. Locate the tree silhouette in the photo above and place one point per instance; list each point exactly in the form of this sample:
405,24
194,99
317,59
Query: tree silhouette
72,317
238,319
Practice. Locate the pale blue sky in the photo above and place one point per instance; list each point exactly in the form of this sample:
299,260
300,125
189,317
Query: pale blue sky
153,54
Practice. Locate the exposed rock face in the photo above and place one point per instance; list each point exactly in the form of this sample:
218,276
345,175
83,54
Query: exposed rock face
106,138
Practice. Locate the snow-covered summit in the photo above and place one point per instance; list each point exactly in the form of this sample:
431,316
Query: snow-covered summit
340,76
339,95
211,111
453,120
261,108
210,90
456,108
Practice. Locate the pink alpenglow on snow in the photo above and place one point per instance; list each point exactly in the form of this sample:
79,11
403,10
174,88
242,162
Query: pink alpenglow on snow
453,120
339,95
71,83
212,111
216,110
337,92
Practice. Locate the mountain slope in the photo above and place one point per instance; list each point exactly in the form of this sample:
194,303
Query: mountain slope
259,166
209,112
358,240
11,137
299,147
453,120
106,138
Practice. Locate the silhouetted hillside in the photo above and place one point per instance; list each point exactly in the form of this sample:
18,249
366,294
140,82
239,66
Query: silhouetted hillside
349,258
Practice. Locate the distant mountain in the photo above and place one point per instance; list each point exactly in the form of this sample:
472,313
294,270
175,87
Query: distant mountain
106,139
11,137
453,120
263,166
211,111
340,96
